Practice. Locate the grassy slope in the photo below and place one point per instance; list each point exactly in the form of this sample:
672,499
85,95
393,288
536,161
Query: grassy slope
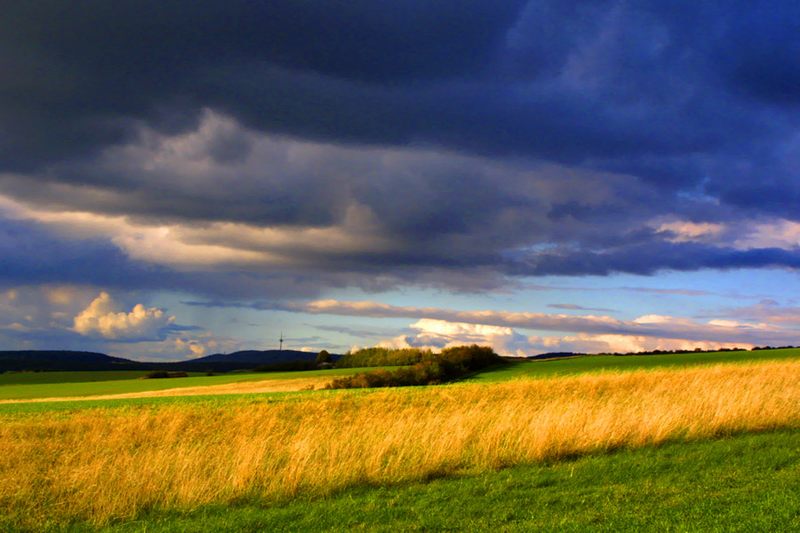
743,483
90,387
598,363
229,401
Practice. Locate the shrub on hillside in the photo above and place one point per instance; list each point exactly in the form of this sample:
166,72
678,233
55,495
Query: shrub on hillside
463,359
160,374
324,357
451,364
382,357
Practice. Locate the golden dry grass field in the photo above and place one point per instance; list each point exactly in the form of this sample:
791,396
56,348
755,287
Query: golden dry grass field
104,464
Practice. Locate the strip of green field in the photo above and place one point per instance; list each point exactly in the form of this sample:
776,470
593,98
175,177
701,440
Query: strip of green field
89,387
103,407
33,378
742,483
33,385
600,363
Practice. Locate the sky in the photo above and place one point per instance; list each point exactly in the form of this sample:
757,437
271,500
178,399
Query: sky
180,178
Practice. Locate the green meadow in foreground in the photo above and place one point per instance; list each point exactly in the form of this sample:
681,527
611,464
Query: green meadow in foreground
741,483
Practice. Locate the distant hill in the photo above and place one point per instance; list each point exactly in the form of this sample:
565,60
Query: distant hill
60,360
64,360
257,357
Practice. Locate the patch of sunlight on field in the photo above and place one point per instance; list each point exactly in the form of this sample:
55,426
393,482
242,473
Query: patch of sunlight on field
100,465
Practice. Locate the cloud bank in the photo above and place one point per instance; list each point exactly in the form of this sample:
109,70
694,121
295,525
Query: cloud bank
141,323
528,139
642,333
290,150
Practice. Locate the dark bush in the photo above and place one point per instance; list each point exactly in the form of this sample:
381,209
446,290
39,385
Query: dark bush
159,374
324,357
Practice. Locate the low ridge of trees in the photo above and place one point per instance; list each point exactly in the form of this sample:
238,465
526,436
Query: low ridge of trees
382,357
430,369
701,350
162,374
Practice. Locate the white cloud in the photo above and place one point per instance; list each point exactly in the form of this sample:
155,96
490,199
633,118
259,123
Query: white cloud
437,334
100,319
62,295
611,343
742,235
460,329
190,347
47,309
653,326
190,246
546,321
78,318
686,231
774,234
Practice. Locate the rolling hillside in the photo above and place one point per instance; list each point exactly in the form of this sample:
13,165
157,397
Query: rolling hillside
63,360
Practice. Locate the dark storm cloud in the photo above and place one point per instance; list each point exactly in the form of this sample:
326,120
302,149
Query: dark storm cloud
436,118
650,257
31,254
561,80
87,68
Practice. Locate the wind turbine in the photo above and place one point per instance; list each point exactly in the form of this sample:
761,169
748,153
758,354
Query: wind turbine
281,341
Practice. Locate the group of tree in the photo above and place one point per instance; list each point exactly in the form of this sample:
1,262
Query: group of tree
428,368
379,356
701,350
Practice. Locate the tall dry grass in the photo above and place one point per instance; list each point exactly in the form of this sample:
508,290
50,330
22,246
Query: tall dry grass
105,464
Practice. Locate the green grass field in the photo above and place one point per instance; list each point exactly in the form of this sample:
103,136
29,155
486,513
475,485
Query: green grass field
35,378
33,385
600,363
232,400
24,385
741,483
113,386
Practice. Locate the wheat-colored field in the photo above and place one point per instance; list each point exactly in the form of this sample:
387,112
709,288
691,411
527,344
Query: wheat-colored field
100,465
